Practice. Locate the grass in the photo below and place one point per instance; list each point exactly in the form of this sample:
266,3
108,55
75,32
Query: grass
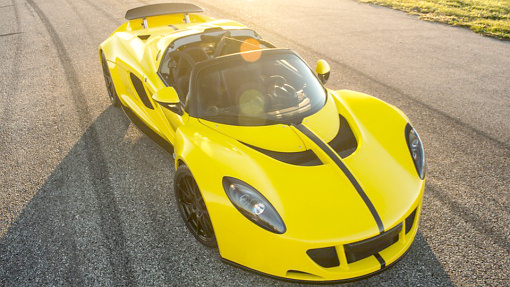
487,17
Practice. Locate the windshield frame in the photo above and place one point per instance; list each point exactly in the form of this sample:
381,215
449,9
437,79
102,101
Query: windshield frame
195,38
192,102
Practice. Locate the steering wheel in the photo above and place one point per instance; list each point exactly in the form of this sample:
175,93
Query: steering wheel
279,92
273,82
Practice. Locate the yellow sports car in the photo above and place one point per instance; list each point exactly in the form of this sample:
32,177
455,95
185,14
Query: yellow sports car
284,176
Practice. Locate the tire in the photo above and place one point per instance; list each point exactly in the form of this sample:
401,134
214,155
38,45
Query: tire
192,207
110,88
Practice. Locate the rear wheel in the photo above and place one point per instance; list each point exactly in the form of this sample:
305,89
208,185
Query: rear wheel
112,94
192,207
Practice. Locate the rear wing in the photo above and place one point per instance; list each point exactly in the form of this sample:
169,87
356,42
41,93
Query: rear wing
162,9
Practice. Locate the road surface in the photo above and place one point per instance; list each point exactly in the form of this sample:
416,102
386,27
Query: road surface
86,199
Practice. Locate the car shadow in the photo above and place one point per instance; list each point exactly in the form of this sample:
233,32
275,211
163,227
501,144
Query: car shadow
107,216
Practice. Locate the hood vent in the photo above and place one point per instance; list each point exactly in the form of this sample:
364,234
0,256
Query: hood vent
303,158
344,142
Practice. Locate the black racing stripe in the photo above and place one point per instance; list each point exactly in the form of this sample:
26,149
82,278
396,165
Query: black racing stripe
346,171
380,259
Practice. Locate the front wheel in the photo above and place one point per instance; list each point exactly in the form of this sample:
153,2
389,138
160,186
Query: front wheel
192,207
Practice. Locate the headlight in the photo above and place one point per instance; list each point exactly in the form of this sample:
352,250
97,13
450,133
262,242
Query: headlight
416,149
253,205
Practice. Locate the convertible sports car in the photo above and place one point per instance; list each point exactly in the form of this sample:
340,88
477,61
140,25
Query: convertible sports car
284,176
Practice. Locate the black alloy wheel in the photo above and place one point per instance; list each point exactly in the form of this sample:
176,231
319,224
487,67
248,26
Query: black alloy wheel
192,207
112,94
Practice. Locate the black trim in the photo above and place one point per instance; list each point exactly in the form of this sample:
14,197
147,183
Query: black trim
144,37
344,143
148,131
346,171
359,250
325,257
386,267
303,158
410,220
175,108
140,90
380,259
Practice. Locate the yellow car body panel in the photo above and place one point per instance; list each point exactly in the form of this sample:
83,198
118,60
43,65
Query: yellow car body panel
319,204
127,53
308,220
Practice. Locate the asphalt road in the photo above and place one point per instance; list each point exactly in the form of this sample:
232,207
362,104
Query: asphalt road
86,199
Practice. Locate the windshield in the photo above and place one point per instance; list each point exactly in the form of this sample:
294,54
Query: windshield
259,89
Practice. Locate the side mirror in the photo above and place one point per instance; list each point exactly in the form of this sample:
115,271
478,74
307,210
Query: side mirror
168,98
322,70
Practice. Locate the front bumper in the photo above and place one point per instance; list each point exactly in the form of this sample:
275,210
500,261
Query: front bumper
286,258
314,281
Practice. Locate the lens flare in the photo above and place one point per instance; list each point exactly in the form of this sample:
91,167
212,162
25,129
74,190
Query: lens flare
251,102
251,45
